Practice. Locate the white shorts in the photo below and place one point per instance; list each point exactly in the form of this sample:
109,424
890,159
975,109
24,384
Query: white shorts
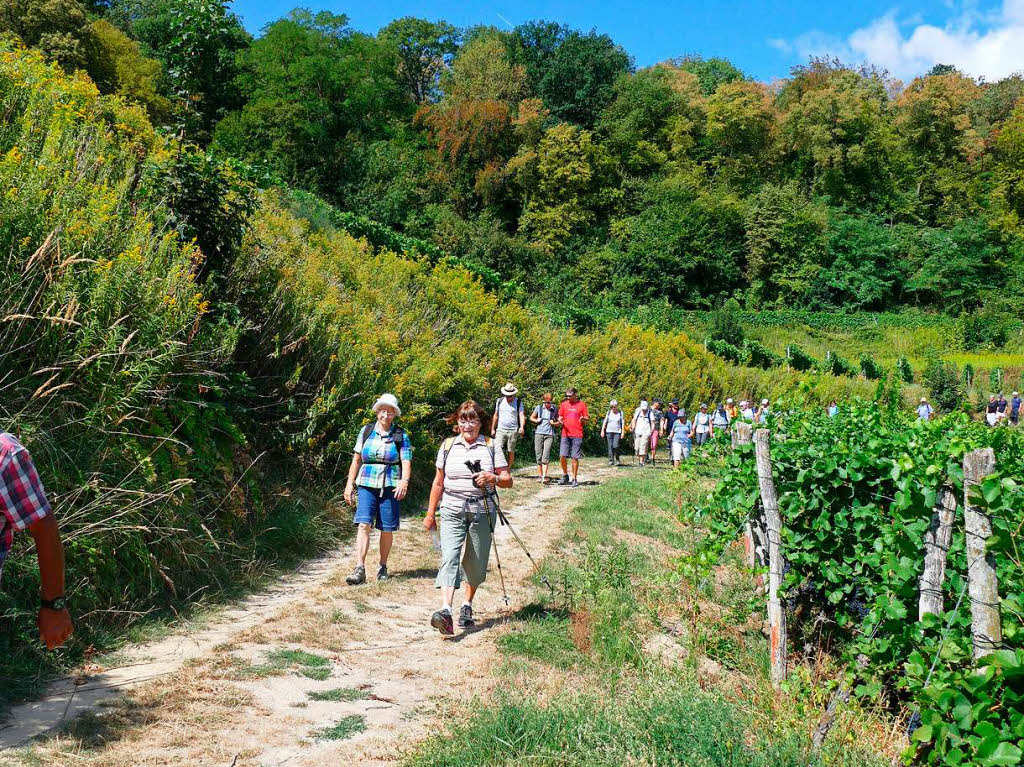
991,418
680,451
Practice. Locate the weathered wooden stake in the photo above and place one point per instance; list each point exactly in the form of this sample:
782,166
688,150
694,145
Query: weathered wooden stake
936,546
770,502
983,587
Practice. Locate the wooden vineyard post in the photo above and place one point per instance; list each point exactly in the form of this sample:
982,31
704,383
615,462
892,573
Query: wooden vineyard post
936,546
983,588
770,503
742,436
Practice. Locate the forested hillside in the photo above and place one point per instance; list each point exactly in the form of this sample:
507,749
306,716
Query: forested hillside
542,157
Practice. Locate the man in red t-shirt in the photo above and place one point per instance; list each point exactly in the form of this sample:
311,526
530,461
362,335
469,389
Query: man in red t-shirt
572,414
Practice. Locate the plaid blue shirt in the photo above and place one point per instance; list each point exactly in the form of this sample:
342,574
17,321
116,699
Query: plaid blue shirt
381,447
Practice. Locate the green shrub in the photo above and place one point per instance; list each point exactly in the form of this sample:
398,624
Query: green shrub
760,356
725,323
726,351
869,367
942,380
906,373
801,360
837,366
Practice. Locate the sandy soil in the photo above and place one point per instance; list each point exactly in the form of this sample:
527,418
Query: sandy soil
227,694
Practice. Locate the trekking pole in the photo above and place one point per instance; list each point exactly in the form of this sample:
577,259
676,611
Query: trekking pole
474,467
504,520
494,545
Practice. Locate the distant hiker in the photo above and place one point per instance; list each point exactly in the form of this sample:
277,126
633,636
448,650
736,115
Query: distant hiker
378,479
924,410
833,409
1001,405
681,439
991,414
24,507
747,410
508,423
702,425
670,417
611,431
467,502
762,412
731,409
657,428
572,414
545,415
641,425
1015,405
720,419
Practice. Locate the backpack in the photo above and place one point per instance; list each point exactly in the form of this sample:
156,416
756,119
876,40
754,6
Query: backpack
446,447
517,405
397,435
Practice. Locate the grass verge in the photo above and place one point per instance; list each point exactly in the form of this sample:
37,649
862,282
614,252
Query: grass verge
623,666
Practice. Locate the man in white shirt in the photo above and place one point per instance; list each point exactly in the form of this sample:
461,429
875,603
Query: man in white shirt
508,423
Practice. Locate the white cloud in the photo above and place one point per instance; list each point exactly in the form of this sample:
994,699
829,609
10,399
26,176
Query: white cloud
981,45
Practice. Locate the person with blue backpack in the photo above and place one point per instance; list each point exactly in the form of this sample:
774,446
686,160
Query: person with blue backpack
378,479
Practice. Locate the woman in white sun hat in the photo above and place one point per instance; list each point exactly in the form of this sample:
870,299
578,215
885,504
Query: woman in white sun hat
378,480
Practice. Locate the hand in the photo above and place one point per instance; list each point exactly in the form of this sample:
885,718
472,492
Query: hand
54,627
348,494
429,522
401,489
602,433
485,478
522,432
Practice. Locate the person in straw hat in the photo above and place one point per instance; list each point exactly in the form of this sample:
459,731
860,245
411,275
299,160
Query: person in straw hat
508,423
378,479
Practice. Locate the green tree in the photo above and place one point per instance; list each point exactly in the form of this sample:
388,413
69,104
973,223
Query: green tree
651,117
727,323
785,242
578,81
565,183
837,136
532,46
116,64
483,72
314,87
740,131
710,73
197,41
56,27
865,265
425,50
685,243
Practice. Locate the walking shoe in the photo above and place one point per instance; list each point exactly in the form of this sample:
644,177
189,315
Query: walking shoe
442,621
574,483
358,576
382,573
466,616
564,480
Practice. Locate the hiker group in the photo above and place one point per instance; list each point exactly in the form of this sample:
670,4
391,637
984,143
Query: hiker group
463,509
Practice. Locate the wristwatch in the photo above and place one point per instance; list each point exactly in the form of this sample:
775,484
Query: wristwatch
58,604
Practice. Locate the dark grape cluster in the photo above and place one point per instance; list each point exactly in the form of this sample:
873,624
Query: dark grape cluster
913,723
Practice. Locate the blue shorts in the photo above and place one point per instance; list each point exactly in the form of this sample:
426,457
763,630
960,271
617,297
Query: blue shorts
373,509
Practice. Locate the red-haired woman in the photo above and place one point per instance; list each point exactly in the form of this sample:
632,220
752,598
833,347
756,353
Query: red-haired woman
466,499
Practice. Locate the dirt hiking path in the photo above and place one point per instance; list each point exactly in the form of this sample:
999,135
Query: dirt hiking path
313,672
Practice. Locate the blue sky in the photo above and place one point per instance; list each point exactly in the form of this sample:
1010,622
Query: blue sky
764,39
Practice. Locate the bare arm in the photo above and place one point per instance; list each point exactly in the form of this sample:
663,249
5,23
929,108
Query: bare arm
494,423
353,469
403,484
435,498
54,625
522,422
